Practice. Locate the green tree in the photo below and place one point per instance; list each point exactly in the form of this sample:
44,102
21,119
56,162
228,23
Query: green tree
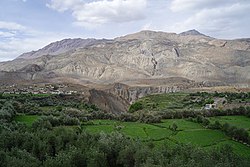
3,159
136,107
174,127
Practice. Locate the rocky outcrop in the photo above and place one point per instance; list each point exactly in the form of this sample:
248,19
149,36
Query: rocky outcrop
133,92
108,102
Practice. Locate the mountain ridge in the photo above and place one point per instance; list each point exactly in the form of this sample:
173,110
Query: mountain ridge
138,56
59,47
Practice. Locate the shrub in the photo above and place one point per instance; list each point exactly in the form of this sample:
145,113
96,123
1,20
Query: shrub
135,107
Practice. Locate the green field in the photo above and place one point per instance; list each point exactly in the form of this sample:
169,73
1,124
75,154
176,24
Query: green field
238,121
181,123
237,147
160,133
187,133
27,119
169,101
200,137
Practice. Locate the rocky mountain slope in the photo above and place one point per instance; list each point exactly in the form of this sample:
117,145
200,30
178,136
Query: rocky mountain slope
139,56
59,47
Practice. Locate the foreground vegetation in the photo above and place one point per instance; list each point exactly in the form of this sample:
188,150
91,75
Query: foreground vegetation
75,147
56,130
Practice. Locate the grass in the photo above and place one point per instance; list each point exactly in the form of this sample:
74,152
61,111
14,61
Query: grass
27,119
167,102
164,101
160,143
187,132
159,134
134,132
130,129
238,148
200,137
238,121
99,129
194,133
181,123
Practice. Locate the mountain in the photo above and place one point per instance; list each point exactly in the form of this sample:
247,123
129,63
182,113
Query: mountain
131,59
60,47
192,32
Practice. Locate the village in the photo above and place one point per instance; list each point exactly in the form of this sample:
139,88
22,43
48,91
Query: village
38,89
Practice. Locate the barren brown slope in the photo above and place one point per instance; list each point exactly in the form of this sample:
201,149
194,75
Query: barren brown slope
146,55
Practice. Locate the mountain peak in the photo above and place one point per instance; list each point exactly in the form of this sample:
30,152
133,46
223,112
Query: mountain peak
192,32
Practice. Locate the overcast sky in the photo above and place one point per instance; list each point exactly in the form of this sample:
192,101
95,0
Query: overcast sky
27,25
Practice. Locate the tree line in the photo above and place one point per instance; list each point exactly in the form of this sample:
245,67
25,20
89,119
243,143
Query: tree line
239,134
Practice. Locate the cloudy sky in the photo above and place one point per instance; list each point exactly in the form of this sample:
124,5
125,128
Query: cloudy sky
27,25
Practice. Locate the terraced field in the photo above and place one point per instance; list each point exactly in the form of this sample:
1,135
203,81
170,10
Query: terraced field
27,119
173,102
238,121
186,133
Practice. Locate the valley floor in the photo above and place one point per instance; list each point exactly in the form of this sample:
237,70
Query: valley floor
187,132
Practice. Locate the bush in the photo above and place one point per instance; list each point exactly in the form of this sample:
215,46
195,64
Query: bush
149,118
7,111
215,125
135,107
42,124
69,121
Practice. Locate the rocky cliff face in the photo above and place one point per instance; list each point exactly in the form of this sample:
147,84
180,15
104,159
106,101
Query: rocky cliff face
143,55
131,91
108,102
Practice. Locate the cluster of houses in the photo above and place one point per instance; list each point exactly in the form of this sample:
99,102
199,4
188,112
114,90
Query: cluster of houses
47,89
216,104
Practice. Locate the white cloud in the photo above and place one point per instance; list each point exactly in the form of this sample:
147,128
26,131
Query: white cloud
16,39
16,46
7,34
193,5
219,19
11,26
64,5
96,13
